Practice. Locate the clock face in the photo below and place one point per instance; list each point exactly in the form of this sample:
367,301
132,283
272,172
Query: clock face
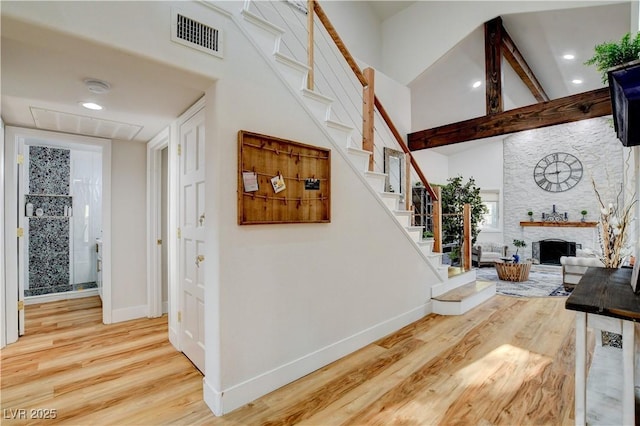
558,172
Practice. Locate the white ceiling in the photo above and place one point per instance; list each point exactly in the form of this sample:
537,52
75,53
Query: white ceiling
386,9
45,70
442,94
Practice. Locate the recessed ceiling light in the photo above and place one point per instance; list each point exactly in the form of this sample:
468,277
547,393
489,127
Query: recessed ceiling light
476,84
576,81
91,105
569,56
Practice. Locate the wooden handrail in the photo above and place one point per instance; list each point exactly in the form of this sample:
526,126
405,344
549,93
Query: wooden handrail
405,148
310,44
339,43
466,238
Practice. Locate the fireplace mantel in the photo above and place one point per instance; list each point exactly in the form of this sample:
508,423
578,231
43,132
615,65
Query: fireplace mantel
561,224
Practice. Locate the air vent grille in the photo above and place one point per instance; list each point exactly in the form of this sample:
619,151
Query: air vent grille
195,34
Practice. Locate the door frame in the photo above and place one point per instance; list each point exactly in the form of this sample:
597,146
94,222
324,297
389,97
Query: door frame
154,223
14,141
154,276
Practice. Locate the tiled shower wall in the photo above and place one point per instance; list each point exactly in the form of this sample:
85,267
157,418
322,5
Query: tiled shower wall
49,178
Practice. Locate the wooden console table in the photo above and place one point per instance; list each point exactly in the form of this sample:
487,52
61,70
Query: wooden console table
604,300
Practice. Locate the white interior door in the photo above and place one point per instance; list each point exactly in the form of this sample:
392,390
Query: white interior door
192,222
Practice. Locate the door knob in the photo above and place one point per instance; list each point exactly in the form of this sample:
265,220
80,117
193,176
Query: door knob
199,259
201,219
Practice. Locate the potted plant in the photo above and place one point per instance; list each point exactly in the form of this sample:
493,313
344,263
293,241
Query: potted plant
426,235
530,213
620,66
455,195
518,244
584,215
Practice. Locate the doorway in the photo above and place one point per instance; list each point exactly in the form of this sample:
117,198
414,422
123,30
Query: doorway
50,209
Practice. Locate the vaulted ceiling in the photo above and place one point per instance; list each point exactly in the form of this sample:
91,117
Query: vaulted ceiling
444,93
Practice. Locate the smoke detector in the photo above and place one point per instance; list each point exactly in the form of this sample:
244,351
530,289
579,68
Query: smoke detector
97,87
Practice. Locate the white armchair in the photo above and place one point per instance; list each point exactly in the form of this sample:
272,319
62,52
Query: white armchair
573,268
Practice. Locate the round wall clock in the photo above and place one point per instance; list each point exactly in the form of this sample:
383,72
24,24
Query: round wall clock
558,172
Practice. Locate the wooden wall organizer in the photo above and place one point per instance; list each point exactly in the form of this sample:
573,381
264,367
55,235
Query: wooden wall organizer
267,157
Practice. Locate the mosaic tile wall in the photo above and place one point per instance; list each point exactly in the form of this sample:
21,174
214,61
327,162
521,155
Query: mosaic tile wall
49,175
49,170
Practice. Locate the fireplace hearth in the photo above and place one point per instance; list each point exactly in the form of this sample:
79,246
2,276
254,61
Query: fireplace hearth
548,252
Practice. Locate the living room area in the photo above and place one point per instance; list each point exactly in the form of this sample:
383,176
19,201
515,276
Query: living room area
521,207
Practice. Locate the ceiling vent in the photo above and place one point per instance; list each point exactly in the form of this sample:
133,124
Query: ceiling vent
83,125
188,31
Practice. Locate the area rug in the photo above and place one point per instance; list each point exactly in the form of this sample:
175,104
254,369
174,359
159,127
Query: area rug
540,284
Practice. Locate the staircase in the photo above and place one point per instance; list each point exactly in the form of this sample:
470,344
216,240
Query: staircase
452,296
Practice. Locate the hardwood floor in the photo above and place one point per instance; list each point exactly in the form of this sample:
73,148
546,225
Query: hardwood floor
507,362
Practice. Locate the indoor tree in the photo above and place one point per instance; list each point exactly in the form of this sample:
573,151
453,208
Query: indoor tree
454,196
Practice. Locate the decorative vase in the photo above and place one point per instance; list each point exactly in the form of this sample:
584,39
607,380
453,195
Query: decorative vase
516,258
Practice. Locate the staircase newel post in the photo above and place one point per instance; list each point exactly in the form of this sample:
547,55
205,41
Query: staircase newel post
310,16
407,178
368,108
466,243
437,221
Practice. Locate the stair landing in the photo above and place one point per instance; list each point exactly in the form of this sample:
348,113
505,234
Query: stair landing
463,298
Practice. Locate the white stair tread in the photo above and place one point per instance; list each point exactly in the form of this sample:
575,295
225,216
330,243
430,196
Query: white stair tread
358,151
263,23
285,59
312,94
464,292
338,125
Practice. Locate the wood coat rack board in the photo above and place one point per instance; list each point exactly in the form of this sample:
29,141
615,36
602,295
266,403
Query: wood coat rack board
305,169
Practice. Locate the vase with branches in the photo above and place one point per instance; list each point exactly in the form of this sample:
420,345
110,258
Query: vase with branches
613,226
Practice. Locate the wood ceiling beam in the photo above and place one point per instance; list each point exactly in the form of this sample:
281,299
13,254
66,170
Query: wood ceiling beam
493,65
581,106
520,66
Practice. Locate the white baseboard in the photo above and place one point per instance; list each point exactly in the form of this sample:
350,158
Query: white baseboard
55,297
130,313
227,400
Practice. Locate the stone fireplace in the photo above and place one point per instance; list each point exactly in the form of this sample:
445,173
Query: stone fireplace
549,251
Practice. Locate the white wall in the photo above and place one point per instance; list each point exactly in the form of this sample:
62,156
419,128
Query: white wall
483,162
128,216
283,300
594,143
359,28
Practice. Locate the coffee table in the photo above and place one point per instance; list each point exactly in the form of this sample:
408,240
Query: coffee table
516,272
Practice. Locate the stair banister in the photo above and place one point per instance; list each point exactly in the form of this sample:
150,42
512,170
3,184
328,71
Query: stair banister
310,43
324,19
466,241
368,115
387,119
338,41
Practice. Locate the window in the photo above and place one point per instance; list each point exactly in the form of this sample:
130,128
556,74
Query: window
491,220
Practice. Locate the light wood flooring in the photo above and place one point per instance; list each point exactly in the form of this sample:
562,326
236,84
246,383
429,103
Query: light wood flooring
507,362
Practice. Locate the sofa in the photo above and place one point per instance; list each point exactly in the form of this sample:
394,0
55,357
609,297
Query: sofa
574,267
486,253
